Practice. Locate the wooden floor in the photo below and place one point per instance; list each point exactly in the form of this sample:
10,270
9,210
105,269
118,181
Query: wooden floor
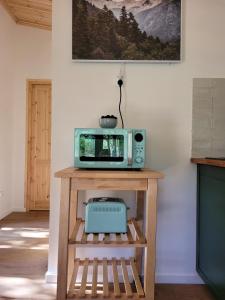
23,263
24,256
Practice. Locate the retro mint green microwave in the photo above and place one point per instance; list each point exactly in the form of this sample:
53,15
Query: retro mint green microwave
106,148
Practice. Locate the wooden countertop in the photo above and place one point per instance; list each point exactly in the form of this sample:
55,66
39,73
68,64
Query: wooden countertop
209,162
91,173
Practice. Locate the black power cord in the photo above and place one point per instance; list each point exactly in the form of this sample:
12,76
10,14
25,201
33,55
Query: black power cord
120,83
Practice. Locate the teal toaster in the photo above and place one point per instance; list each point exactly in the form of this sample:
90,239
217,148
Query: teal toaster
105,215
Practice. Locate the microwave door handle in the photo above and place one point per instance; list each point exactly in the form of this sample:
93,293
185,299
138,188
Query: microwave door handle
130,148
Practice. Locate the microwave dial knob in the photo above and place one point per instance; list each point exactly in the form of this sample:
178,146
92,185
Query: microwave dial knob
138,137
139,160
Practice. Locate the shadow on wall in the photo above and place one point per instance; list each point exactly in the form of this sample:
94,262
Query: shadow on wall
164,140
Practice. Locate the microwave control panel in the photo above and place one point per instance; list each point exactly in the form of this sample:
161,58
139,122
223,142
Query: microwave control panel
139,148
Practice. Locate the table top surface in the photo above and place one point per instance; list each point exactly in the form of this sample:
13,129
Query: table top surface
111,174
209,161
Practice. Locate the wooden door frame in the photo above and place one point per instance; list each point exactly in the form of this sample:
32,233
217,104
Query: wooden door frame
29,85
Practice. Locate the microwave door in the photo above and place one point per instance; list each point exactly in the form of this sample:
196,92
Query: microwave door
112,148
130,148
102,148
98,146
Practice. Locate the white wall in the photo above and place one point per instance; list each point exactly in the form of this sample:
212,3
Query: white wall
159,98
33,61
25,54
6,110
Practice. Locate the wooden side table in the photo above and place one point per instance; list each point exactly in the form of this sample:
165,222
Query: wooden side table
72,236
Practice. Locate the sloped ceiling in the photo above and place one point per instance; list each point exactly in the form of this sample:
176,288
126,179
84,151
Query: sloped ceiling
35,13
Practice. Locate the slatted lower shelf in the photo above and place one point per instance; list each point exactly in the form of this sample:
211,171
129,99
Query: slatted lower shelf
98,285
133,238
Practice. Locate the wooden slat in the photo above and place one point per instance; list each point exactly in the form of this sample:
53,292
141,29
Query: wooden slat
74,277
84,279
105,278
111,184
107,241
96,292
75,231
111,244
140,236
115,279
95,238
129,235
94,278
118,238
84,238
109,262
126,278
74,173
107,238
136,279
122,297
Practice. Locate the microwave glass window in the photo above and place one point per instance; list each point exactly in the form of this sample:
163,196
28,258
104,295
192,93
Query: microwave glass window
97,147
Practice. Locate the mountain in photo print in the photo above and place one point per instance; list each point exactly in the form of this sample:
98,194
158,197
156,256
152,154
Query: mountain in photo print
126,30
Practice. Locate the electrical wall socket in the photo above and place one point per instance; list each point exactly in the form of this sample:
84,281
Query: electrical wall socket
122,74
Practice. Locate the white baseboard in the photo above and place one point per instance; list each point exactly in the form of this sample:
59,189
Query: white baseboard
14,209
50,277
160,278
179,278
5,213
19,209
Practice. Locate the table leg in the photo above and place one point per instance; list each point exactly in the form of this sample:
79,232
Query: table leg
150,230
72,223
140,195
63,239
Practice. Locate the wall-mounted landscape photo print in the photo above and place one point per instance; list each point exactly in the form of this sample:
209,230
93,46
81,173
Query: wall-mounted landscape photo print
126,30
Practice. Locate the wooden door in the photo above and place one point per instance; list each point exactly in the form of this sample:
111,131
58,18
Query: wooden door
38,145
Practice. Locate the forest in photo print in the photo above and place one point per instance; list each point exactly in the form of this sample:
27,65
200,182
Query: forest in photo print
126,30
